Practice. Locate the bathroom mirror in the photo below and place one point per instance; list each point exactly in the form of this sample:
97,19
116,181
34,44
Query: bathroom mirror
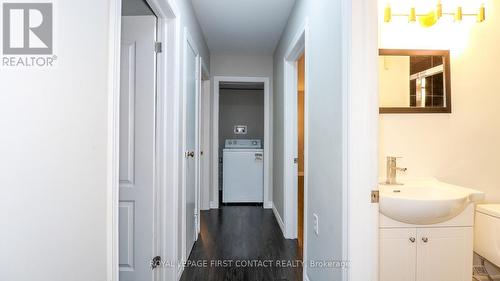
414,81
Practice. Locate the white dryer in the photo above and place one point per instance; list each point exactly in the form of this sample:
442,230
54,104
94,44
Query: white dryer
243,171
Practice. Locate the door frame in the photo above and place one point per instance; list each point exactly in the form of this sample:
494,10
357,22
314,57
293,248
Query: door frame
360,217
206,150
267,203
167,119
190,43
206,162
360,110
297,47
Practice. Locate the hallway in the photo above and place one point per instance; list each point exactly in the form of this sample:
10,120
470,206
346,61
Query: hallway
112,152
242,235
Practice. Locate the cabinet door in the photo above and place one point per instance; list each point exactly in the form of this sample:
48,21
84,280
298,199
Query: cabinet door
444,254
398,254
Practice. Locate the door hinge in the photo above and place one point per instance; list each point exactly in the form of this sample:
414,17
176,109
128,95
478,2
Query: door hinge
375,196
155,262
158,47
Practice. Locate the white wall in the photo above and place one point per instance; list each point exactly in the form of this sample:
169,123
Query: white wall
53,155
325,128
461,147
53,148
231,65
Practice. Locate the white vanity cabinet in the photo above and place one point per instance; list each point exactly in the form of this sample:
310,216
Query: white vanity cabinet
426,231
426,254
398,254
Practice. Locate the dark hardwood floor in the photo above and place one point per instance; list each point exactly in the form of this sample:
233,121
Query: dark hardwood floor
242,243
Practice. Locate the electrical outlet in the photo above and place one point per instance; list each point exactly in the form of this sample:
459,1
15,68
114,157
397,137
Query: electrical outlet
316,224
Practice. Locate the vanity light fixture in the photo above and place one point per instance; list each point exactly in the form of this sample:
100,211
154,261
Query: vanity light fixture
432,17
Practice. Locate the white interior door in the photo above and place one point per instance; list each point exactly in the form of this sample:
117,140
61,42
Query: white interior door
191,147
137,147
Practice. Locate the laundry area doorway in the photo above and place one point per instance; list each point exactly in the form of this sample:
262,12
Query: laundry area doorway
241,137
241,134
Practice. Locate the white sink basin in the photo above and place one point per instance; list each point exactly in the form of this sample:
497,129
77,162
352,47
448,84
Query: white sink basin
425,201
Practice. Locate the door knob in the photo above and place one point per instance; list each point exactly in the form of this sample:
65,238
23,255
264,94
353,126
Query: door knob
189,154
412,239
425,239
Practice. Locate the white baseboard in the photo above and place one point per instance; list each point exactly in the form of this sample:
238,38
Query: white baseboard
214,205
268,205
205,206
278,218
180,270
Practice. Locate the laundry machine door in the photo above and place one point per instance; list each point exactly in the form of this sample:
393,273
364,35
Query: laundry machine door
243,176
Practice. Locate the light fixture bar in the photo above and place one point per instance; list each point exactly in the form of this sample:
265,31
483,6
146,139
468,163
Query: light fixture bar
445,14
458,15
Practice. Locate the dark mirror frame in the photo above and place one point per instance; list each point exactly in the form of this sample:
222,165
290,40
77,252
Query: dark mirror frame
447,77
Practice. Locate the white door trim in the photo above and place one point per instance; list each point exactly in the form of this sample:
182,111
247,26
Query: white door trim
206,128
360,138
167,118
189,43
204,74
214,204
297,47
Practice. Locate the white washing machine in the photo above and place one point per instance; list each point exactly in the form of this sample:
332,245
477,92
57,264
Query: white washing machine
243,171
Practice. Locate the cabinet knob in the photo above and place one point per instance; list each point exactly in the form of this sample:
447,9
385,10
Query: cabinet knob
412,239
425,239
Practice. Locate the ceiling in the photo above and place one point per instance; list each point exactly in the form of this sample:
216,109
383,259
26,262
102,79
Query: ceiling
242,27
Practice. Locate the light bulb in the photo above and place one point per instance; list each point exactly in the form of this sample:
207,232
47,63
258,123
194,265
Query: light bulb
439,9
412,17
481,14
459,14
387,13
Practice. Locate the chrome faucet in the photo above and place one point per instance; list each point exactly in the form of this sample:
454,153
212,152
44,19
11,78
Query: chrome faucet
392,169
